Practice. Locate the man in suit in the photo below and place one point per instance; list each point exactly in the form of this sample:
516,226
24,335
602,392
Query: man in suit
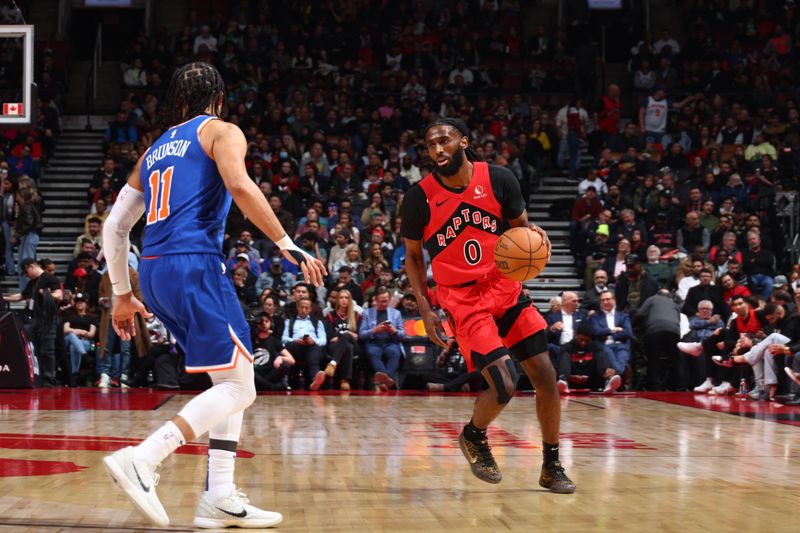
561,325
381,330
613,329
705,291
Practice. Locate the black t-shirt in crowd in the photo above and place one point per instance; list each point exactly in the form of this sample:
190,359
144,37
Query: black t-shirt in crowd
271,344
32,290
77,321
417,213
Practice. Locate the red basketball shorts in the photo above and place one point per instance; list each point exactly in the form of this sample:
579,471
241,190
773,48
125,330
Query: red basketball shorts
492,318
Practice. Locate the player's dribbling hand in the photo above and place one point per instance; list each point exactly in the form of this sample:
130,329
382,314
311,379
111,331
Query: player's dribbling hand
125,308
433,325
545,239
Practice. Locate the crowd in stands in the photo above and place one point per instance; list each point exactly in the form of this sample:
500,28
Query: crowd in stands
674,214
675,228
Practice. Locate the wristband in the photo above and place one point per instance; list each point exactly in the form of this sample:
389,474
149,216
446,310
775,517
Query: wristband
299,256
285,243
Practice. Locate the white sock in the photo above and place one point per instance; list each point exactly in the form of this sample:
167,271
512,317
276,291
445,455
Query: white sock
159,444
708,381
219,480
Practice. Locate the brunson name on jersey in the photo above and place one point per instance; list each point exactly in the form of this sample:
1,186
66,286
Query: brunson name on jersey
173,148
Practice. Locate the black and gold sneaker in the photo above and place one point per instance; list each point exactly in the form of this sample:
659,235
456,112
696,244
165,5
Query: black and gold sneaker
554,479
480,458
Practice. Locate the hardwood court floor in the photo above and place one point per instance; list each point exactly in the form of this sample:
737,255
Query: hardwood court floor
669,462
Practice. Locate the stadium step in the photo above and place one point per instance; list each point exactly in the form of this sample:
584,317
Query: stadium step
560,274
63,184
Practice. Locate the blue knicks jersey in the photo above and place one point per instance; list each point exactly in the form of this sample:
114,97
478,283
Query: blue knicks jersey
186,202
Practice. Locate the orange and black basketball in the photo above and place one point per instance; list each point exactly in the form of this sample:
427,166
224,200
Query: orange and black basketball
521,254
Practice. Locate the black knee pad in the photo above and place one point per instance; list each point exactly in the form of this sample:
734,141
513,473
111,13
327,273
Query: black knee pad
503,397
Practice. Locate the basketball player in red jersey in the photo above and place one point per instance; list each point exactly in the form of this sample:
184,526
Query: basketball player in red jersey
458,212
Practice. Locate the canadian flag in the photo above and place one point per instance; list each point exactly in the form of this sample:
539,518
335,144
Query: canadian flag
12,109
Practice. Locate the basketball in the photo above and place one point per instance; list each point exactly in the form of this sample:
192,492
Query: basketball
521,254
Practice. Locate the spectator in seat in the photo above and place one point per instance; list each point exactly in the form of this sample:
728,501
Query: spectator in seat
80,328
304,336
705,291
246,244
592,179
634,287
729,245
94,235
99,210
623,228
762,355
582,362
120,130
272,362
338,252
561,325
586,208
276,278
408,306
660,317
109,171
615,265
271,306
382,331
687,282
759,265
702,325
655,267
613,328
242,253
739,333
591,299
245,292
346,281
693,234
342,325
735,270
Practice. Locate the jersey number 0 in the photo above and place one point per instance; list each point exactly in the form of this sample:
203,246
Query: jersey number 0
160,185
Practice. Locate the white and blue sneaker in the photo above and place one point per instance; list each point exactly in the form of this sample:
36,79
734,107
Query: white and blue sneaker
138,479
233,511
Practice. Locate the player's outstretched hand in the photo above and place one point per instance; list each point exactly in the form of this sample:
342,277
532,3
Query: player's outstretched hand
433,325
313,269
545,238
125,308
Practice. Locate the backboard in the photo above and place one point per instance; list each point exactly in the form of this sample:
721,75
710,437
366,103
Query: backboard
16,75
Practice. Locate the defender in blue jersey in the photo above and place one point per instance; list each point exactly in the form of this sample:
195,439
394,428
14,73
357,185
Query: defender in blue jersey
183,185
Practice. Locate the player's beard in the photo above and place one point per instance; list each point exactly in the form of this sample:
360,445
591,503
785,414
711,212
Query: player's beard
452,168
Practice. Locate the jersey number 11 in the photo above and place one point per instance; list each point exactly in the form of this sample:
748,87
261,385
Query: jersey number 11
160,185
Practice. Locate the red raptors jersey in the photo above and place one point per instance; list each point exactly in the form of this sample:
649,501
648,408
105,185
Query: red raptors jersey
463,228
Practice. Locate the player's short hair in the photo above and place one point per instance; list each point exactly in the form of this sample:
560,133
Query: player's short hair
584,328
193,88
